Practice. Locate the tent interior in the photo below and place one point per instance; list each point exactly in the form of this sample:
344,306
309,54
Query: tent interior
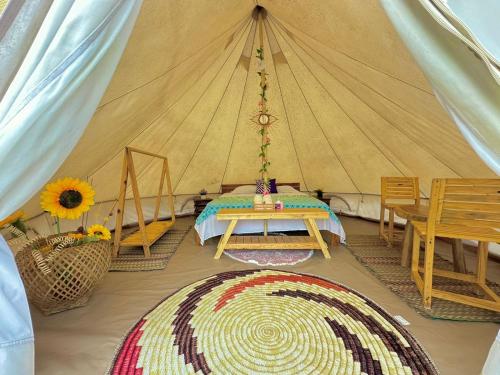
358,90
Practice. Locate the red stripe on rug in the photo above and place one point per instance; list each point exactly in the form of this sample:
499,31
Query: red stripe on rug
233,291
129,354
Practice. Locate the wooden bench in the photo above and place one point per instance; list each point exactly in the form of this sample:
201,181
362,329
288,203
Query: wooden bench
467,209
309,215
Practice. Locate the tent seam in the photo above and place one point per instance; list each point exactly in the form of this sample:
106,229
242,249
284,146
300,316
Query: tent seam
359,61
157,117
142,172
237,119
288,123
316,119
238,29
208,127
354,122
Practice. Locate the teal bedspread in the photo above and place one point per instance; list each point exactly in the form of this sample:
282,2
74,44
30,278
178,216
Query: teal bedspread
290,201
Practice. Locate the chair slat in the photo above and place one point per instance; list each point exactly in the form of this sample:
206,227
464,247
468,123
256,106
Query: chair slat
473,190
479,197
472,202
472,206
470,215
479,223
473,181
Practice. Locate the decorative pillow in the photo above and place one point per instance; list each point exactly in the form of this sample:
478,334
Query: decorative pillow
260,186
271,186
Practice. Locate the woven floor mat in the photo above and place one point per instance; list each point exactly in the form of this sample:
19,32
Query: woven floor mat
385,263
132,259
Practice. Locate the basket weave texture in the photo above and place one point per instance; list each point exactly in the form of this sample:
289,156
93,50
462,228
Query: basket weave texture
62,280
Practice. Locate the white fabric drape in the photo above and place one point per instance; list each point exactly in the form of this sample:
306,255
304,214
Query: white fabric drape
16,331
56,91
19,25
460,69
43,113
475,23
492,363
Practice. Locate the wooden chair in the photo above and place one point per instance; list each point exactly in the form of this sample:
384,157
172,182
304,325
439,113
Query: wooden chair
464,209
396,191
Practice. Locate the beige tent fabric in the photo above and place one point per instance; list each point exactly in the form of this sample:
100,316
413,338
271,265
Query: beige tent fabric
351,104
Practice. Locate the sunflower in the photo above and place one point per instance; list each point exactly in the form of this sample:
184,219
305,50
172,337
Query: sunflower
67,198
99,231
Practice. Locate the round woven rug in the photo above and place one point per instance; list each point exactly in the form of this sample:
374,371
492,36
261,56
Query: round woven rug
270,257
268,321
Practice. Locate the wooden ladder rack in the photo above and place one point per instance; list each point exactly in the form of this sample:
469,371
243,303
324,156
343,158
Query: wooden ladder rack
150,233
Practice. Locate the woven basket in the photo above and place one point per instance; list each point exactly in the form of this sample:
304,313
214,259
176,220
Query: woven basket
62,280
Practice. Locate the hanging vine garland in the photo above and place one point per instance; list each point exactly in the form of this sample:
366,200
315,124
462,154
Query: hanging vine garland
263,118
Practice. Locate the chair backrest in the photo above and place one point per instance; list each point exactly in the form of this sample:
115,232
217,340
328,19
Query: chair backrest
400,188
465,201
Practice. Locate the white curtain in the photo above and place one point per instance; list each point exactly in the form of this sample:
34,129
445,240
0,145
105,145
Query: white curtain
21,21
56,78
16,331
56,90
459,55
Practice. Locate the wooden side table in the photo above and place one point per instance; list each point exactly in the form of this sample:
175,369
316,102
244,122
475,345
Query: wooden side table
200,204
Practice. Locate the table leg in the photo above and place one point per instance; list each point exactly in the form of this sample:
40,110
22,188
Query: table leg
309,229
320,240
391,226
407,244
482,262
225,238
458,256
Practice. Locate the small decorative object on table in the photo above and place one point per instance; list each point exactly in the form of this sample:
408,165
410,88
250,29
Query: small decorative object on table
203,194
279,205
263,202
319,193
61,271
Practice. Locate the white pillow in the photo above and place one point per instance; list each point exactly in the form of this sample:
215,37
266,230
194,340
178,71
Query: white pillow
287,189
245,189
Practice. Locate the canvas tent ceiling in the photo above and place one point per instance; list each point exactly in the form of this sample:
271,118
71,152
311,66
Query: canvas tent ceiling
352,104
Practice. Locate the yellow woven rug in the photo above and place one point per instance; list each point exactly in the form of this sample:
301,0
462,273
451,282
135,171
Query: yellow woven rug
268,321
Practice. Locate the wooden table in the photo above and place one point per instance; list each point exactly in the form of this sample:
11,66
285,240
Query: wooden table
420,213
309,215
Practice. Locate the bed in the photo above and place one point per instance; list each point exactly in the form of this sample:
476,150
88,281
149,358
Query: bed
241,196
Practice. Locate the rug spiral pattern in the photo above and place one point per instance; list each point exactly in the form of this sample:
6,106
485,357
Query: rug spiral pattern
269,322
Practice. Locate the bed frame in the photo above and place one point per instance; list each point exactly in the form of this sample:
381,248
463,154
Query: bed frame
227,188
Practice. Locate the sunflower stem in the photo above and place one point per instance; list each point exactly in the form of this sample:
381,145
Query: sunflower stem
58,226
